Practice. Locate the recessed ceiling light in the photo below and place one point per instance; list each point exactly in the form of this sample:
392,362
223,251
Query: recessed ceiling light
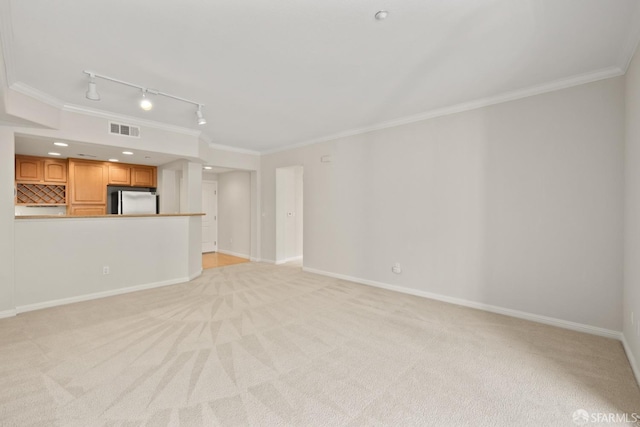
381,14
61,144
114,160
128,153
51,153
208,167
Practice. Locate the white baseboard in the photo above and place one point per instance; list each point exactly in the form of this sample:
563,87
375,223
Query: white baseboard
7,313
96,295
238,254
286,260
194,275
594,330
253,259
632,360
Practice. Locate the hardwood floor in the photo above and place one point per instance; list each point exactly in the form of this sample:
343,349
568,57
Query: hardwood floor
216,259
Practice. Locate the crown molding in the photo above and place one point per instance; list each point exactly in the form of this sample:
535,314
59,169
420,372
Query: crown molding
222,147
467,106
36,94
233,149
633,40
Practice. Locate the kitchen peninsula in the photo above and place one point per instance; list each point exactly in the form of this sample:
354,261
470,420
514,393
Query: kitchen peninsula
82,253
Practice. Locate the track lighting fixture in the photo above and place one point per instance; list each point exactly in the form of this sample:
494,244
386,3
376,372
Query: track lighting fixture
145,102
92,92
200,117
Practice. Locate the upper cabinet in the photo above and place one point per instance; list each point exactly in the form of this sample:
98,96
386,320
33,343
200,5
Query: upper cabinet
40,170
55,170
143,176
132,175
119,174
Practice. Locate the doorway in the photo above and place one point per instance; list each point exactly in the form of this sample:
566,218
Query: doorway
210,219
289,214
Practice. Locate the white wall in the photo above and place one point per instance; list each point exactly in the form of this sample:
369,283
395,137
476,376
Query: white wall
516,205
169,189
632,213
234,213
139,252
7,176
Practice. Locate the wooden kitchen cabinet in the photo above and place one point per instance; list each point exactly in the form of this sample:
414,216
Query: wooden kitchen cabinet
88,210
87,183
40,169
132,175
29,169
119,174
55,170
143,176
40,181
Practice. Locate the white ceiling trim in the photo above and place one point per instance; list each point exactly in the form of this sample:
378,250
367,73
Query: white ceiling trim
467,106
233,149
36,94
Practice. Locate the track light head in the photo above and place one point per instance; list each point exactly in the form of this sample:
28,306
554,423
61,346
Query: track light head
92,92
200,117
145,103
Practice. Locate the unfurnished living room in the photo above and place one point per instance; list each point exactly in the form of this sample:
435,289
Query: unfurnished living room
320,213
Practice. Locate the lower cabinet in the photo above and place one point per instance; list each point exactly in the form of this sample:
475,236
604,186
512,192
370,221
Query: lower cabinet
87,210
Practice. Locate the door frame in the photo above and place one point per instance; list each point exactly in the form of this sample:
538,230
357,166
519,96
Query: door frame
215,196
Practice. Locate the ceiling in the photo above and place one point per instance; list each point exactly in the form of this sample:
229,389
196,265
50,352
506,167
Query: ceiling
273,74
42,147
29,145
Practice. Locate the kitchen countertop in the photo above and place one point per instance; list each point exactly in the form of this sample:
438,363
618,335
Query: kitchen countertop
104,216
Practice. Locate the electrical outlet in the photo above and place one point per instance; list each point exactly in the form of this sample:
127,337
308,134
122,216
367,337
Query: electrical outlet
396,268
105,269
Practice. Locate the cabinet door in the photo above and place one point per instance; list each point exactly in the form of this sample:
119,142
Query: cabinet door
88,210
28,169
88,183
143,176
119,175
55,170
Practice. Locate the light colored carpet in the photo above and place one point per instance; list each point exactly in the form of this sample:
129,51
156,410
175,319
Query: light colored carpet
256,344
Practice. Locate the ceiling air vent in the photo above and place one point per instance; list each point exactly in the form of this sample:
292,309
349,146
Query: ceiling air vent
124,130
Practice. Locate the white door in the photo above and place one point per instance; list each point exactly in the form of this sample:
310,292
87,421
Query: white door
210,219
